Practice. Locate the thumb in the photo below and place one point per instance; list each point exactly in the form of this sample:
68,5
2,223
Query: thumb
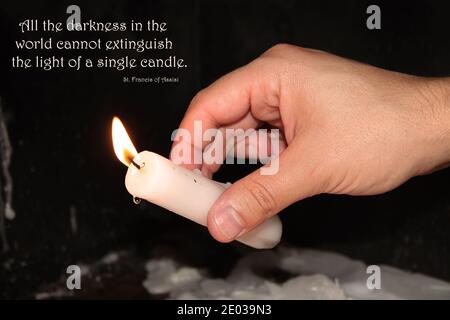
257,197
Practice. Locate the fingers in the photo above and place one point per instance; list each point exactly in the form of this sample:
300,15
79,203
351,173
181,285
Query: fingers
224,102
257,197
254,145
231,102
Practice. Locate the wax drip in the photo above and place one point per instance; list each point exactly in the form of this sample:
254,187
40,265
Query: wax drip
136,200
6,210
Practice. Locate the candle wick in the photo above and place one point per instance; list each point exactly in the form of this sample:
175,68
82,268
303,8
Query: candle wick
137,165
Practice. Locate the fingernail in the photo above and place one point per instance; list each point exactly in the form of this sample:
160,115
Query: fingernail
228,222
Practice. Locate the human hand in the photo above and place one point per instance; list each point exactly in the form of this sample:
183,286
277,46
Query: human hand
349,128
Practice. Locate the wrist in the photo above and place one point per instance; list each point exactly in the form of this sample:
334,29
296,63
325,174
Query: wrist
434,104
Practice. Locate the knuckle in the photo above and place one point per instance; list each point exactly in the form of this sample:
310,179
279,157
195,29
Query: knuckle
262,196
199,96
281,48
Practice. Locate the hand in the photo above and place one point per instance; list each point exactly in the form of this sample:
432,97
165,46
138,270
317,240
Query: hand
349,128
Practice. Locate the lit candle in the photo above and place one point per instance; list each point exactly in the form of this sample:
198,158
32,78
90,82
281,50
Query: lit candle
175,188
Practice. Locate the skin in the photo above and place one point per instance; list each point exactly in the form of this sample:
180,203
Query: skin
349,128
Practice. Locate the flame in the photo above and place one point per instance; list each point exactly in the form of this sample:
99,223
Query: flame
123,147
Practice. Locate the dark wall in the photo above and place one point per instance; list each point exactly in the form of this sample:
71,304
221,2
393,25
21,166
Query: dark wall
63,163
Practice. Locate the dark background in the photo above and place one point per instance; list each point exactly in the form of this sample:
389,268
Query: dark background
64,166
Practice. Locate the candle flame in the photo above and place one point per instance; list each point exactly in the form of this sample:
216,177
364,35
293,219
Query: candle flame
123,147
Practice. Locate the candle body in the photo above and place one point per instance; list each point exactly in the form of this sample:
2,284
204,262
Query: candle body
188,194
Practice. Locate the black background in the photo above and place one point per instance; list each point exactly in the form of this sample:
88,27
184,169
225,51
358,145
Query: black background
59,125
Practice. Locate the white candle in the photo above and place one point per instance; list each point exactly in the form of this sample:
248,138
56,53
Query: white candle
185,192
